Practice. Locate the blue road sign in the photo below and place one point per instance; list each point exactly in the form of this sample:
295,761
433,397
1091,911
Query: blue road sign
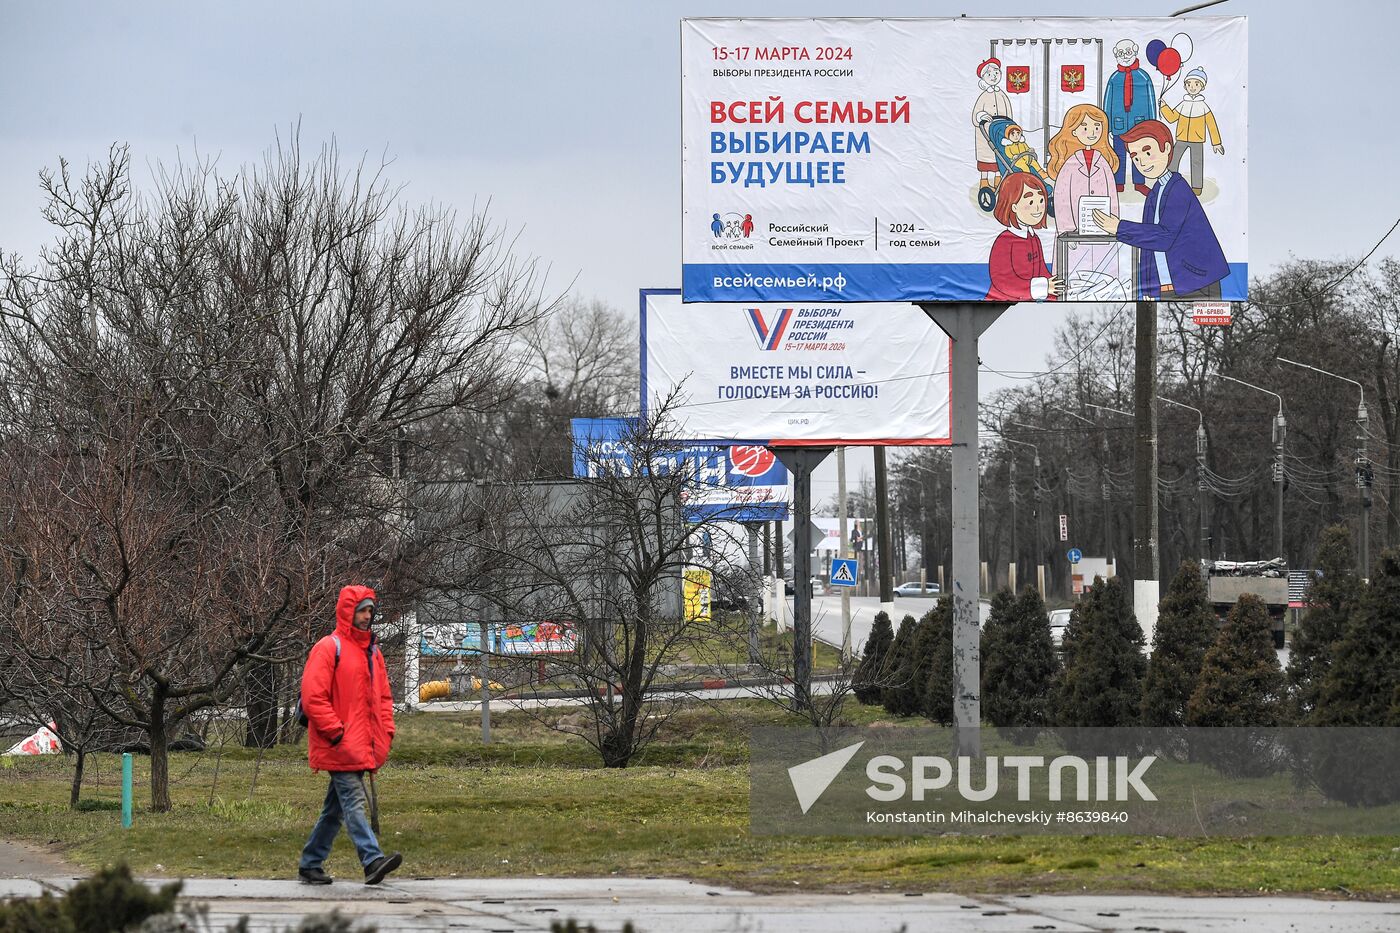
1075,555
844,571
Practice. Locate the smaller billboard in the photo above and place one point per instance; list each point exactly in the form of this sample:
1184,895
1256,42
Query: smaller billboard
797,374
743,483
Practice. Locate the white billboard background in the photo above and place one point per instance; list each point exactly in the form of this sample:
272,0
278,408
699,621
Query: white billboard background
799,373
903,224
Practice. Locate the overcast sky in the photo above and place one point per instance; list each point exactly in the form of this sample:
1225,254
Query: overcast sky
565,115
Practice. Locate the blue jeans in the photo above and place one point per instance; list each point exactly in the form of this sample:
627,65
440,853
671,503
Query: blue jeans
1121,149
345,800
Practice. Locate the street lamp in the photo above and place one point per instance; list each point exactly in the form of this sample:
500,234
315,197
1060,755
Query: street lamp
1116,411
1363,463
1280,432
1069,494
1200,480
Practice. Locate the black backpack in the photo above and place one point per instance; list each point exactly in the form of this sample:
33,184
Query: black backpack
299,714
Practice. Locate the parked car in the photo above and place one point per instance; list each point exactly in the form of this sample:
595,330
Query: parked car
817,586
912,589
1059,621
728,599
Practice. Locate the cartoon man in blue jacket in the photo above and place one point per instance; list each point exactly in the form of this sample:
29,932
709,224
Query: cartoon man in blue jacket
1179,255
1128,98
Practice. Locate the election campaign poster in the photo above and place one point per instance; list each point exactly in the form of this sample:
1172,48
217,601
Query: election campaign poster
1001,160
741,483
797,374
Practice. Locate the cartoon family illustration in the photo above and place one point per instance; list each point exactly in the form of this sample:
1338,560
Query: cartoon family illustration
733,228
1178,254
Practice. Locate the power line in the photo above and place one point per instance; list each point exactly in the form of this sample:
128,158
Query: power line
1345,275
1074,358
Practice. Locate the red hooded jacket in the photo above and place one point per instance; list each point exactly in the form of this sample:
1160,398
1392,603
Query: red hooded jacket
351,721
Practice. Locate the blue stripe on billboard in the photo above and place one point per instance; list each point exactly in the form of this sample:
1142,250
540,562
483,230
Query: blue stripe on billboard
864,282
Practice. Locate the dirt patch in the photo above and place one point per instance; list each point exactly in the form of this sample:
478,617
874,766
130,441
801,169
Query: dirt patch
19,860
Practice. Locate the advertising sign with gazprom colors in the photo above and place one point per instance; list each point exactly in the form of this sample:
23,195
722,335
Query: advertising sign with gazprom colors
741,483
797,374
1005,160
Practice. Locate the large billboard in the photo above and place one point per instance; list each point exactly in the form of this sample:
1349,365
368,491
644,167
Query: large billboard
732,483
797,374
964,159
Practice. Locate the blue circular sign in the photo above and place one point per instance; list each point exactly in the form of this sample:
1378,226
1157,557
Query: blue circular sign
1075,555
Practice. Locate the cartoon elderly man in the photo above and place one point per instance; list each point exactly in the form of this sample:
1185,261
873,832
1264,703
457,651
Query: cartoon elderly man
1129,98
1194,121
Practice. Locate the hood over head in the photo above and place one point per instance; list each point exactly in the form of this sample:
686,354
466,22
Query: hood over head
350,598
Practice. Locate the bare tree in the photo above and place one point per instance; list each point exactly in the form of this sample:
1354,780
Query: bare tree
603,558
230,378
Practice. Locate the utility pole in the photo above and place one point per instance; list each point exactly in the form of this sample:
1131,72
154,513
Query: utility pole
1040,543
1015,548
1144,598
1201,485
883,556
843,550
779,588
1146,560
1280,432
924,564
1364,474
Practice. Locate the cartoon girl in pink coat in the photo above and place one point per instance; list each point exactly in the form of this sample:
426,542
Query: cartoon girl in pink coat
1082,162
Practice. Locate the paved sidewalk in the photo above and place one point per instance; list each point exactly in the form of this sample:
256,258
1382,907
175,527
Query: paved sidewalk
672,906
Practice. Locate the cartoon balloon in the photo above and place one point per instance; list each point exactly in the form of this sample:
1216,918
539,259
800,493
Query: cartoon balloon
1182,43
1154,48
1169,62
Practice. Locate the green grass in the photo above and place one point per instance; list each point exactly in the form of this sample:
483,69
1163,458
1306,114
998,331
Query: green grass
726,645
536,803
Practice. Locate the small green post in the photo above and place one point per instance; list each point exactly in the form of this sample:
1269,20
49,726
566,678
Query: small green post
126,790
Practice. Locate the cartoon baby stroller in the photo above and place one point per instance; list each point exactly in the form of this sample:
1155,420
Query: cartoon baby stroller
993,130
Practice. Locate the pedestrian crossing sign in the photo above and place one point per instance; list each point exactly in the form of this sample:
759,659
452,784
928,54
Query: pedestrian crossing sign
844,571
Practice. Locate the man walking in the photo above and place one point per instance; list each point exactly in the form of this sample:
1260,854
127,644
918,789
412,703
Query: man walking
350,726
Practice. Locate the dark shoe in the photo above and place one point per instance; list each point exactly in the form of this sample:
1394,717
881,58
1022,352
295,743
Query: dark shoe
313,876
1143,190
377,869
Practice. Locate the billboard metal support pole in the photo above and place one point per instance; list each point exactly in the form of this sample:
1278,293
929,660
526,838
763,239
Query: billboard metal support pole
843,549
964,323
801,461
